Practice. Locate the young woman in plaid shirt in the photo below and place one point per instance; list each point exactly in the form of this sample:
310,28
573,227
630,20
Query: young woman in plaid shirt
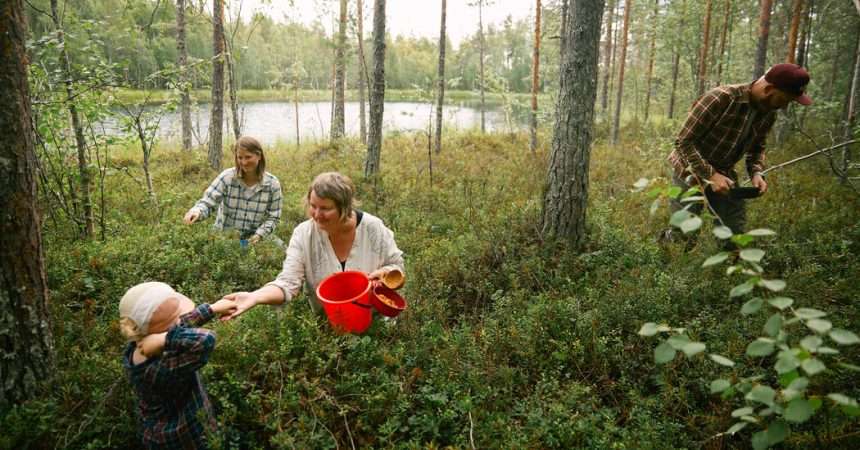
247,197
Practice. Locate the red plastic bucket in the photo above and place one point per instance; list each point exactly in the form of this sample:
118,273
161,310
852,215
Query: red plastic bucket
398,304
345,298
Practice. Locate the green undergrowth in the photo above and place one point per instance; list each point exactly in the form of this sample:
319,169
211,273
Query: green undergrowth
509,341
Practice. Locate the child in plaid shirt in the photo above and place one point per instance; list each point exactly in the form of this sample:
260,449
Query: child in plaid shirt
162,359
247,197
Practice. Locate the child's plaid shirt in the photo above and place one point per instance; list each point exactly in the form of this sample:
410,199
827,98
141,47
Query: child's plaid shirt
174,411
251,210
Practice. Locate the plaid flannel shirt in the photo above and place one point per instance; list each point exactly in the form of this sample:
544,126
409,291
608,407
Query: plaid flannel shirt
174,411
722,127
251,210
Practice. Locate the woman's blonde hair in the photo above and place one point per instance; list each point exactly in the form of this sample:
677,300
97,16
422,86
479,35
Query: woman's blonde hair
129,329
251,145
337,188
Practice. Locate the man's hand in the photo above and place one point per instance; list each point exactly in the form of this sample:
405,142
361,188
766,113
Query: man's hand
224,307
242,301
152,345
758,181
720,183
254,239
191,216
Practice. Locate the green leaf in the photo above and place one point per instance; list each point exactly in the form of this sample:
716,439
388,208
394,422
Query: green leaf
777,432
692,198
852,411
787,378
773,285
722,232
741,289
691,224
760,347
827,351
809,313
716,259
736,427
850,367
811,342
798,411
742,240
664,353
799,384
752,306
648,329
842,399
745,411
640,184
678,341
752,254
786,363
693,348
678,217
773,324
654,206
813,366
819,325
843,337
673,191
722,360
759,440
762,394
761,232
720,385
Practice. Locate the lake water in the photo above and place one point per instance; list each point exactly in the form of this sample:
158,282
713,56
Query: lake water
271,122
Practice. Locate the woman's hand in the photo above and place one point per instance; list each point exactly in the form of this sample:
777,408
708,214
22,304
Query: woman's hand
224,307
152,344
191,216
242,301
254,239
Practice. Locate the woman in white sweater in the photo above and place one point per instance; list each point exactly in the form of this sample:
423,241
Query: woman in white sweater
336,237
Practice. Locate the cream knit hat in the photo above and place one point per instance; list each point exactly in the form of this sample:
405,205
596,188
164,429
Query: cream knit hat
138,304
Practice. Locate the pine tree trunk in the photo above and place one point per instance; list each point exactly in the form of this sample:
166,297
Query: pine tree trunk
763,33
651,56
723,34
481,45
25,341
703,57
216,122
805,34
535,81
563,40
607,56
77,126
676,64
566,194
338,125
184,86
628,4
440,80
377,92
362,76
797,13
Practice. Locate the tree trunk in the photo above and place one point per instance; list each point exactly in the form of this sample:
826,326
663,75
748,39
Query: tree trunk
651,56
25,341
851,112
184,86
232,88
628,4
796,14
535,81
362,78
338,125
566,193
763,33
377,92
216,122
441,80
77,126
481,45
676,63
607,56
563,40
296,103
703,56
723,34
804,35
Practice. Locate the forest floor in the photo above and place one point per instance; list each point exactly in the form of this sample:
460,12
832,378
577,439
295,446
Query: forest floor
509,341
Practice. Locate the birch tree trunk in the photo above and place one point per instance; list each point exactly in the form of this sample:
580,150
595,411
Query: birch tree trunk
566,193
441,80
797,13
763,33
362,76
25,334
703,56
184,86
535,81
621,62
77,126
377,92
851,112
338,123
651,56
232,88
216,120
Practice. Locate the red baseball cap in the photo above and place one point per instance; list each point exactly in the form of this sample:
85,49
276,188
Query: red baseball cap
791,79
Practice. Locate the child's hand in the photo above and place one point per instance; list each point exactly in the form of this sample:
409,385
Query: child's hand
152,345
224,307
